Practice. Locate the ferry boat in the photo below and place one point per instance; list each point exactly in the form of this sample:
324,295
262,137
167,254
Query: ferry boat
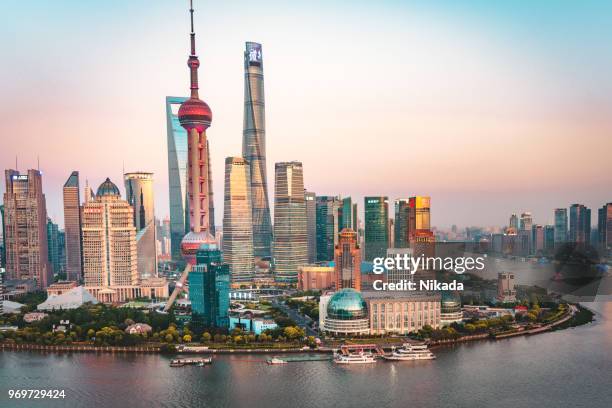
354,358
409,352
276,361
200,362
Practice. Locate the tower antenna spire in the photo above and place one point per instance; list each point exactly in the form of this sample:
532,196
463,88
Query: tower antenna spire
193,61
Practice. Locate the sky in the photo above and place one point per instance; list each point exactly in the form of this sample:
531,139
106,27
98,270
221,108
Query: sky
488,107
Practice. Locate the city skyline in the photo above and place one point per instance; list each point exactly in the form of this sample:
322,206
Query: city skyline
540,108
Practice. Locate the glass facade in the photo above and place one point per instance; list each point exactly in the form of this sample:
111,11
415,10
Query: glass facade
560,225
254,147
209,286
177,175
139,194
290,232
326,226
237,221
311,225
347,304
580,224
376,227
402,212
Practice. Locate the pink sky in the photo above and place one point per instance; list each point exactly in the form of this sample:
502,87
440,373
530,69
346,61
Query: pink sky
415,102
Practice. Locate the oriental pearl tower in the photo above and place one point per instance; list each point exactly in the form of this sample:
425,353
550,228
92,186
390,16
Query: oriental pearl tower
195,116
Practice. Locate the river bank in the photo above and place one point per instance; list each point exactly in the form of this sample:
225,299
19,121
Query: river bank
162,349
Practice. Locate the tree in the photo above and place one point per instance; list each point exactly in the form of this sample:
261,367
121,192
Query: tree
206,337
187,338
169,338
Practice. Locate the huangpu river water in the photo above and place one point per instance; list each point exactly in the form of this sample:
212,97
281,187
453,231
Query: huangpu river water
565,368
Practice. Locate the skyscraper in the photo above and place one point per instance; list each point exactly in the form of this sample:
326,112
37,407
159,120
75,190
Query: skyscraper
109,246
25,228
420,236
209,285
537,239
139,194
514,222
311,225
560,226
580,224
376,227
402,215
177,175
195,117
290,249
254,147
327,224
345,214
72,228
604,227
237,221
347,257
549,239
53,243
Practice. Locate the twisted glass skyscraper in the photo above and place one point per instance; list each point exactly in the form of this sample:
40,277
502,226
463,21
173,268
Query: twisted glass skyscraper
254,147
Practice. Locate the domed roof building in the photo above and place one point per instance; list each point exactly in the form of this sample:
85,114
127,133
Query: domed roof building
108,188
450,310
347,314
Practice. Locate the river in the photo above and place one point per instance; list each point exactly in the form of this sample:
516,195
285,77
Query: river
565,368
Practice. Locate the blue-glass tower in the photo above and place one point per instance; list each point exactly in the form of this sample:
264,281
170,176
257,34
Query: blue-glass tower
209,285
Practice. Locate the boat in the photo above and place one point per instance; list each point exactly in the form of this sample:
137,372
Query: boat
200,362
410,352
176,363
354,358
276,361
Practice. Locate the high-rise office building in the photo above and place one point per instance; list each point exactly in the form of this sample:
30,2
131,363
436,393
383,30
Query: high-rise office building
53,246
139,194
345,214
327,224
356,221
109,246
72,228
25,228
560,226
195,117
254,147
177,175
347,257
526,222
505,287
209,286
400,227
290,249
549,239
604,227
376,227
311,225
580,224
2,247
237,221
420,237
514,222
537,239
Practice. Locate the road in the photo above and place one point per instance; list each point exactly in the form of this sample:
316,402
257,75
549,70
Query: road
301,320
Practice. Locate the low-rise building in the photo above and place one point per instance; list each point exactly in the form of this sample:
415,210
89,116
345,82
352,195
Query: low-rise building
402,313
315,277
138,328
248,323
58,288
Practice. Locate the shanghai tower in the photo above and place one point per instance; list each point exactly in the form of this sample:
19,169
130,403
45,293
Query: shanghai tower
254,148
